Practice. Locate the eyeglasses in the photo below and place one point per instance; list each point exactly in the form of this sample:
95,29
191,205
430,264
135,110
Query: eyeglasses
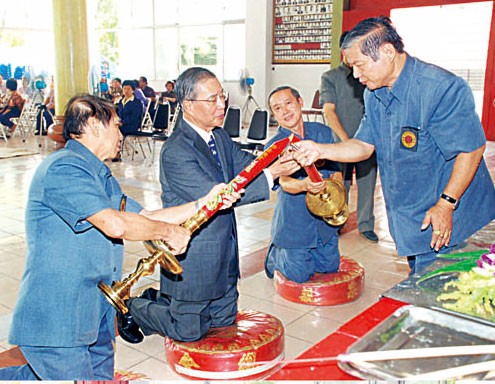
223,96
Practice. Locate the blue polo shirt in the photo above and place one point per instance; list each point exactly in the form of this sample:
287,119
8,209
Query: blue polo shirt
418,128
59,303
293,225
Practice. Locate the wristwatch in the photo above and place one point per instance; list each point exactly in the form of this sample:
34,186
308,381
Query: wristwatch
450,199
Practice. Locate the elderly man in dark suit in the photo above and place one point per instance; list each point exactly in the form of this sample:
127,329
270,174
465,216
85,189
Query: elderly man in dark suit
197,156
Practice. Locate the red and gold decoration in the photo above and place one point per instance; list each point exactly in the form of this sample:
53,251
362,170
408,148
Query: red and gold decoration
159,250
340,287
229,352
124,376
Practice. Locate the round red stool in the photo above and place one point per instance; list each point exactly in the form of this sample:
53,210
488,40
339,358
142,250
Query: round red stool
340,287
255,336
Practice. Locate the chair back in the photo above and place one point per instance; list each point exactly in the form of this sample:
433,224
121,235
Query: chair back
175,117
147,121
232,122
315,111
316,100
27,118
258,127
162,112
26,121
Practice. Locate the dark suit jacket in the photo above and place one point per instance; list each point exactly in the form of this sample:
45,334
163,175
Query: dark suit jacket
130,115
188,171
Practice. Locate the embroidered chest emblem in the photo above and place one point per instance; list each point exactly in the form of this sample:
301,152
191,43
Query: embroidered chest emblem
409,139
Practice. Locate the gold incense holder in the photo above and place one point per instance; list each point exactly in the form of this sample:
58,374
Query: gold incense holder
120,291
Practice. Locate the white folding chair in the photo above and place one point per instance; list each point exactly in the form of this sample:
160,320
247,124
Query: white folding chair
146,131
161,119
147,122
4,132
175,117
26,122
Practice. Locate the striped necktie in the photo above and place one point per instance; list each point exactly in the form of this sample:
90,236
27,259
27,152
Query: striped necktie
214,150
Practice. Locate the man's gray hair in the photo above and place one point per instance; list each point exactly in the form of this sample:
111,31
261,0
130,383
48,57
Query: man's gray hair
185,87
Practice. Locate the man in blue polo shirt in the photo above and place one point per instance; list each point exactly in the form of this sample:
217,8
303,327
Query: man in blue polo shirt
76,221
429,143
302,243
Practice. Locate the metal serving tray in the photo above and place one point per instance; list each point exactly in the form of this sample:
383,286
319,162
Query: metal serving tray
419,327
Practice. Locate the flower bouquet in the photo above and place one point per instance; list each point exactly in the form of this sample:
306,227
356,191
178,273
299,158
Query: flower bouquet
473,292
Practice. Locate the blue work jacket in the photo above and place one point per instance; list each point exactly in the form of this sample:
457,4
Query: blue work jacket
59,302
293,225
418,128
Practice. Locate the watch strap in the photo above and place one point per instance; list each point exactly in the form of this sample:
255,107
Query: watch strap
450,199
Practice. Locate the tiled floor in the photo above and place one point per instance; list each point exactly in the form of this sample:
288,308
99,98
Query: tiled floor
304,325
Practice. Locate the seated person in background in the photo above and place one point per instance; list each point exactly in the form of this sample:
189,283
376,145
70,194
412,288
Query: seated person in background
130,110
47,110
26,91
170,96
138,94
302,244
105,89
116,90
148,92
13,105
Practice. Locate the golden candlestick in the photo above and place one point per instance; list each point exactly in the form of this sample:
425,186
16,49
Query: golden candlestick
160,253
120,290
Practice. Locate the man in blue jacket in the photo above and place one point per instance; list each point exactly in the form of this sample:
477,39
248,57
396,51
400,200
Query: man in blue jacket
302,243
76,220
429,144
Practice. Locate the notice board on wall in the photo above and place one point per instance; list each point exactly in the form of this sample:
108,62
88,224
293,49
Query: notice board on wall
302,31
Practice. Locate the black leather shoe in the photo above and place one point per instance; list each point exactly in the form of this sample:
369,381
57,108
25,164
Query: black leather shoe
370,236
128,328
150,294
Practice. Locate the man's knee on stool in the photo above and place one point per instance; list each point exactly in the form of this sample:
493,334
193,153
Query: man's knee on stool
297,275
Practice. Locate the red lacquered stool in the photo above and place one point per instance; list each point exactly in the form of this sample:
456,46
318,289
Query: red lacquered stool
340,287
255,336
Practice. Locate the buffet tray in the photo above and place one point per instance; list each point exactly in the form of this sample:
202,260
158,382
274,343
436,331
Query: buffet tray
418,327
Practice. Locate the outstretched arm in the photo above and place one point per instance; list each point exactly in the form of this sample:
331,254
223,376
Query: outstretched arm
135,227
180,213
351,151
161,224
